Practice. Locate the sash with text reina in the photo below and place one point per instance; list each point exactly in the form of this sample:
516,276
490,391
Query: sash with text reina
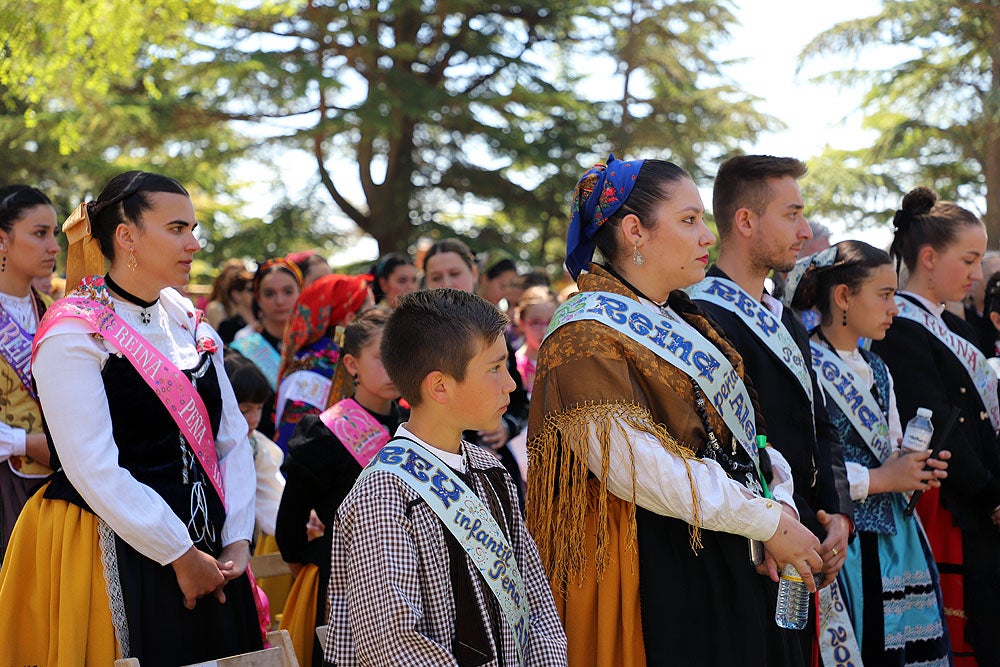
361,434
170,384
761,321
467,519
681,346
975,363
15,347
855,401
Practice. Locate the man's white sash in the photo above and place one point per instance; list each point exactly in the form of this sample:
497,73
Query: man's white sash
761,321
974,362
856,402
677,343
468,519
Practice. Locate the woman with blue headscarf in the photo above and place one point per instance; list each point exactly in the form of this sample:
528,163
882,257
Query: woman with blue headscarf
647,493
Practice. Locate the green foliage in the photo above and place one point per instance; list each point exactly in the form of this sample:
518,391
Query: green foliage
936,112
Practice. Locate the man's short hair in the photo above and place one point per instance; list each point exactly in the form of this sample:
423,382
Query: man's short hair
743,182
436,330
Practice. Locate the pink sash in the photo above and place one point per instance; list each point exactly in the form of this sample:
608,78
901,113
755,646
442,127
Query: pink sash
171,386
357,430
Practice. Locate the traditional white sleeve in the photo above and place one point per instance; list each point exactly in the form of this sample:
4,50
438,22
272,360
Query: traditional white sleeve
858,478
662,486
67,369
270,482
13,441
782,484
232,445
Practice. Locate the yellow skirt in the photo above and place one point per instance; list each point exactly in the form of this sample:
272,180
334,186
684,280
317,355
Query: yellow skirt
54,608
601,614
300,613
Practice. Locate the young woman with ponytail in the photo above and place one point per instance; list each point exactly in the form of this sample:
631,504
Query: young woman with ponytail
933,356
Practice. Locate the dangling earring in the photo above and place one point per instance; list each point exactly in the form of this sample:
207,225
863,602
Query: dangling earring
843,322
132,263
637,257
3,262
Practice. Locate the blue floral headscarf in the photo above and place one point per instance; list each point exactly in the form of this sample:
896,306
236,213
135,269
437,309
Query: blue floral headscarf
599,194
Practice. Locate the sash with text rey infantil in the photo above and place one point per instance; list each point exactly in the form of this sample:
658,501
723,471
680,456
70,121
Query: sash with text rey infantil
972,360
169,383
469,520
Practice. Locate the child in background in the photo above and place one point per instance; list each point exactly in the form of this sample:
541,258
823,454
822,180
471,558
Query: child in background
534,312
325,455
404,585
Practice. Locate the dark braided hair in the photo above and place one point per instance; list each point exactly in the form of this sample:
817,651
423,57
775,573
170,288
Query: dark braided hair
122,201
924,220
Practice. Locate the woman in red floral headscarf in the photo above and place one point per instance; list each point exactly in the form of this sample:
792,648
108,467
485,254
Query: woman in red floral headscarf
308,380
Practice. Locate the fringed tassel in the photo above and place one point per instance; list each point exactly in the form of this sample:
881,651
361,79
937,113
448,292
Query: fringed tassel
560,490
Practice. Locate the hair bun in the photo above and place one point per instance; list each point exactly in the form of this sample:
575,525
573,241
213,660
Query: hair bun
919,201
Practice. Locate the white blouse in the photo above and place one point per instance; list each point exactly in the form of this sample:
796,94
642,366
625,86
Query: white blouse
67,370
662,486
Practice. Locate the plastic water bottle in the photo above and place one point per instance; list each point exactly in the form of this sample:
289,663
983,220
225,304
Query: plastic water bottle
917,437
792,612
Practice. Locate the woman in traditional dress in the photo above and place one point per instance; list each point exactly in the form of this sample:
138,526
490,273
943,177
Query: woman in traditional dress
645,500
241,298
325,457
309,383
138,545
889,578
933,357
28,250
276,287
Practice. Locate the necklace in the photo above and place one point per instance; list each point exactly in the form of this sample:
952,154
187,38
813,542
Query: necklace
145,316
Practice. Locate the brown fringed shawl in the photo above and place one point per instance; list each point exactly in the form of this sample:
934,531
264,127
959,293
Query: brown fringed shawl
592,377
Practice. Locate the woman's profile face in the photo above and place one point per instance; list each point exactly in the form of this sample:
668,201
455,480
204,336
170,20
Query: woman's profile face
498,288
277,295
959,265
164,245
872,306
676,250
30,247
448,269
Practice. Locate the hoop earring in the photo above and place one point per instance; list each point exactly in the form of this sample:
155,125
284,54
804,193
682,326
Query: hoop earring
132,263
637,257
843,322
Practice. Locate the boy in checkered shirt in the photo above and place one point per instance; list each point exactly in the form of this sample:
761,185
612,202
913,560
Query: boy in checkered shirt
418,576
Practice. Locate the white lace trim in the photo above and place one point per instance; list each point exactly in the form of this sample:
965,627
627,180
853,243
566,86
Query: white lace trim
22,309
113,584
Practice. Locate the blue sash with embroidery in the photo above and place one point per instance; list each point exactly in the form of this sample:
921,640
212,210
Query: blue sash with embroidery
761,321
468,520
856,402
679,344
975,364
15,348
256,348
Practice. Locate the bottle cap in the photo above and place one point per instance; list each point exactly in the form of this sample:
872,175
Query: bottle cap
926,413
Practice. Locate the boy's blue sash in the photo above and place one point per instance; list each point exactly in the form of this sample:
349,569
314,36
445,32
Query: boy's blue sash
468,519
677,343
974,362
256,348
855,401
761,321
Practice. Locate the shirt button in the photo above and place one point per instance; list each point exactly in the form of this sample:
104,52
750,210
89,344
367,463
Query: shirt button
961,390
983,416
961,420
769,504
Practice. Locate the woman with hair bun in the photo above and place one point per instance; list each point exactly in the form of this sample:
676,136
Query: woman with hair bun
889,577
138,544
28,250
933,357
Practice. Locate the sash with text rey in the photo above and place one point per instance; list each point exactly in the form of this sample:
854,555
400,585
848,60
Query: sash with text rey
468,519
972,360
170,384
837,641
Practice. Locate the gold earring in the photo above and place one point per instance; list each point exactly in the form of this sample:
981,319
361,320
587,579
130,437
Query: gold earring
132,263
637,257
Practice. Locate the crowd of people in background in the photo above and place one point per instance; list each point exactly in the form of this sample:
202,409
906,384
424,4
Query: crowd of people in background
672,434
